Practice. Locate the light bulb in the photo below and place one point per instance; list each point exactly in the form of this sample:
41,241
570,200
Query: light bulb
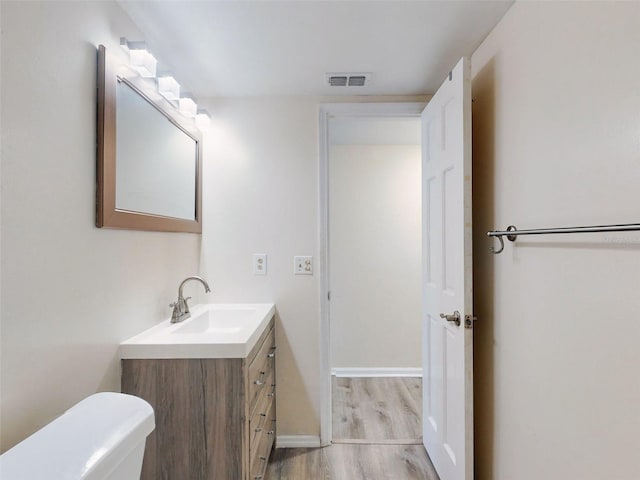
203,120
169,88
187,106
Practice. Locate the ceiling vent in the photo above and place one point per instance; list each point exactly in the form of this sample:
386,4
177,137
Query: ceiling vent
338,81
348,79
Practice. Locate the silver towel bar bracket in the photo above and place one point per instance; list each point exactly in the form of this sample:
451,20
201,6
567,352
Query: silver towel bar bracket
512,232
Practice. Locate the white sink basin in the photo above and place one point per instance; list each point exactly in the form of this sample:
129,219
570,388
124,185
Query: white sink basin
213,331
218,320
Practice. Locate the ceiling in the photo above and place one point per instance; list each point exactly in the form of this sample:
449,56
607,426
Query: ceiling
247,48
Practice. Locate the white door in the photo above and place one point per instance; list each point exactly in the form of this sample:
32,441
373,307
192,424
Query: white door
447,350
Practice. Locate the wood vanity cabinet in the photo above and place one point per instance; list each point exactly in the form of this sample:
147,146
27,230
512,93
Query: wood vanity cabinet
215,417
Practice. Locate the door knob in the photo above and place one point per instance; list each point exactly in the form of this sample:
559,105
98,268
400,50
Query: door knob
455,318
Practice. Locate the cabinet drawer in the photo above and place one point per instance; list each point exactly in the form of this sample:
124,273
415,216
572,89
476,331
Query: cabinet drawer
260,369
258,421
261,445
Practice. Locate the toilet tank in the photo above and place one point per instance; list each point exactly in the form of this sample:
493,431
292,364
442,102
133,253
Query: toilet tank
100,438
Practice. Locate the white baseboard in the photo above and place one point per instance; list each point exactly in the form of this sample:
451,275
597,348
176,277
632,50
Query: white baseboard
377,372
297,441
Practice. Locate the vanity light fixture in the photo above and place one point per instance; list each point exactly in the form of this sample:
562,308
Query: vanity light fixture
187,105
203,119
168,87
140,59
143,62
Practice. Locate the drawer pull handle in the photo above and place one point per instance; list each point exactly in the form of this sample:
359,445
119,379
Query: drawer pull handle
258,477
263,458
260,382
271,355
258,430
263,414
270,432
270,394
273,384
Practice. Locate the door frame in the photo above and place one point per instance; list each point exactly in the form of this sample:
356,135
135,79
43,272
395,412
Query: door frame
325,112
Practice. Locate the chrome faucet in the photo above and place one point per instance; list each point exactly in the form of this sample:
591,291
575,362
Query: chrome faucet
181,308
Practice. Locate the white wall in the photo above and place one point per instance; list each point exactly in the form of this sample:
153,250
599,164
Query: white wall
261,196
70,292
556,135
375,255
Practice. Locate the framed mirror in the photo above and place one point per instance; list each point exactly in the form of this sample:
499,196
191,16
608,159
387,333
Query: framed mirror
149,159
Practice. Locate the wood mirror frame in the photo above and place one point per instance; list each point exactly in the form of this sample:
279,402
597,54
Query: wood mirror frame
107,215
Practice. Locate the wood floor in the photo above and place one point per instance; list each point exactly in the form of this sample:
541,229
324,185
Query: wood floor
377,436
377,410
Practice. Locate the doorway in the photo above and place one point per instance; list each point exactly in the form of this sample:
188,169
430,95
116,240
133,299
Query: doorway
370,189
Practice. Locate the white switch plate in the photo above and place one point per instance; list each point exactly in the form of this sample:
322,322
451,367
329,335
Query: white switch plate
302,265
259,263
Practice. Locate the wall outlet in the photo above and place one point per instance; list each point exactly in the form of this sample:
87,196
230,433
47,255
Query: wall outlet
302,265
259,263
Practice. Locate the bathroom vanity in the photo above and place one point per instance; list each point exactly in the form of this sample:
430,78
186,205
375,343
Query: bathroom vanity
211,383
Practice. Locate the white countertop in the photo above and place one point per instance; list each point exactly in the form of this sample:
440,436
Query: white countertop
215,330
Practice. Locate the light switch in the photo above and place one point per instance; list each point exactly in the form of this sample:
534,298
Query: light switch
302,265
259,263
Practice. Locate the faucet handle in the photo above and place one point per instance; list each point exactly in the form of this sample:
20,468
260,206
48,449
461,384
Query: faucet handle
173,305
188,298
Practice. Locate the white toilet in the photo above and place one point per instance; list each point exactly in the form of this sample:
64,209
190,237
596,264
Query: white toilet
100,438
